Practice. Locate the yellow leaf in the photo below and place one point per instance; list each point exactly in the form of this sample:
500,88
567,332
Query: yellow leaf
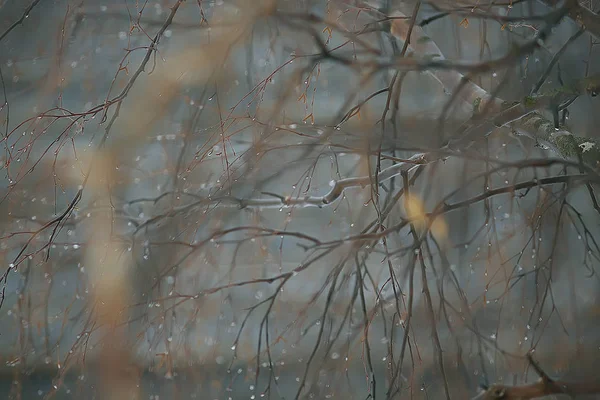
414,207
440,229
464,23
415,210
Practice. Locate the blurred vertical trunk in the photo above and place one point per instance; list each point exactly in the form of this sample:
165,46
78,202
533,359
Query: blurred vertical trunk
108,263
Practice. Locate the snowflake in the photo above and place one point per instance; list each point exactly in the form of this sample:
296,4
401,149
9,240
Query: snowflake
586,146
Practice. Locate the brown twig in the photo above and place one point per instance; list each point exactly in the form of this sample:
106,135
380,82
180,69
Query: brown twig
544,387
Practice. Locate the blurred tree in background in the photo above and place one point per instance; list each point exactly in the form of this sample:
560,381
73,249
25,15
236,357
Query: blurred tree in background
299,199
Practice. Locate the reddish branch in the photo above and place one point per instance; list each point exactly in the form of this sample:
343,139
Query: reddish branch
544,387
